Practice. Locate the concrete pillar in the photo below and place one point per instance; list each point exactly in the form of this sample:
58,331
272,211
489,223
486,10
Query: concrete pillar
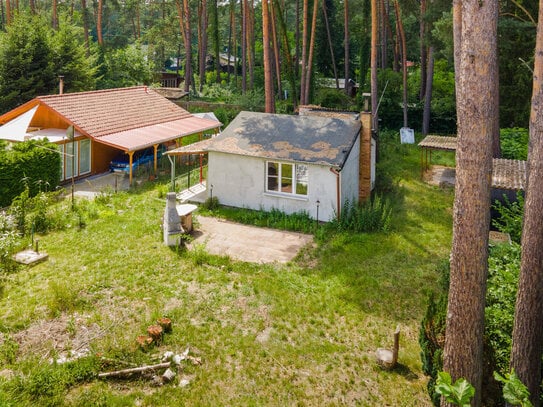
172,222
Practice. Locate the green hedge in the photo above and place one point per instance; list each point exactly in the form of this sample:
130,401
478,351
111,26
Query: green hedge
33,163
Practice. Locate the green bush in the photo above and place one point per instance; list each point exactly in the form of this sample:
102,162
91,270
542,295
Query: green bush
31,164
333,98
510,218
502,283
514,143
373,215
432,332
211,203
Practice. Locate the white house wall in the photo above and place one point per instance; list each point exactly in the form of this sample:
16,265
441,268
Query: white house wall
349,175
239,181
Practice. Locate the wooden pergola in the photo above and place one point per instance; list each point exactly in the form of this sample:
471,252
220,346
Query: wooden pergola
430,142
506,174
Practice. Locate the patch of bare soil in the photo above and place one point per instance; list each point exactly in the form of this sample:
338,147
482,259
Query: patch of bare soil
440,176
62,337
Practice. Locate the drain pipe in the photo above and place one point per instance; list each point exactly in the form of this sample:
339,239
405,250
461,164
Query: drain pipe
338,191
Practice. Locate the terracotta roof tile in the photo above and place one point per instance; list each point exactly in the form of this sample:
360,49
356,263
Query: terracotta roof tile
103,112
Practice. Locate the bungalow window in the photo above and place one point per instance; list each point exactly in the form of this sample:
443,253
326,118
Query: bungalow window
76,156
286,178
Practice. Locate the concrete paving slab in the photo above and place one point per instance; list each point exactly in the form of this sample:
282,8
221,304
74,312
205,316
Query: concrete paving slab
247,243
92,186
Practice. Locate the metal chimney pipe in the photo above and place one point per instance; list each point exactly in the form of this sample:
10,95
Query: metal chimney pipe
61,84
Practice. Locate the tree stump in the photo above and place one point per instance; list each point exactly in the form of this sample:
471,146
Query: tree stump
166,324
144,341
155,332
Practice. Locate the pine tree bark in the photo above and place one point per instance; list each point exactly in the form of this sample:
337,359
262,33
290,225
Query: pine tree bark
311,49
463,353
346,41
202,42
305,25
276,51
423,54
251,42
373,65
244,46
330,46
216,41
188,46
404,59
99,37
428,95
527,346
268,77
85,17
291,71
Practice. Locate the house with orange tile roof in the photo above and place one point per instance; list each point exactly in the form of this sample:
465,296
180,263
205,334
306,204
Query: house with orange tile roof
104,123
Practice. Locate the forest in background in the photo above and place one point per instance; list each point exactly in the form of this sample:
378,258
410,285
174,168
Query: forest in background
109,43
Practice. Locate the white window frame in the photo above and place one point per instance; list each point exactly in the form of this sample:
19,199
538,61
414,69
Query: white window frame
85,153
279,176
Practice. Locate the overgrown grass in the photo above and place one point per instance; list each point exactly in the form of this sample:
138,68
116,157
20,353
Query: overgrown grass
300,333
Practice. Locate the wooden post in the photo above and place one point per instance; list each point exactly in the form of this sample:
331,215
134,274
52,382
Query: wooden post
130,160
155,148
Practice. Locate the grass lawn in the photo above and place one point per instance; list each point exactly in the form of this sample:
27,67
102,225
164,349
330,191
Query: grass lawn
303,333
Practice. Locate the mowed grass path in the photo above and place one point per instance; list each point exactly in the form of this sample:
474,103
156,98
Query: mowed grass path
297,334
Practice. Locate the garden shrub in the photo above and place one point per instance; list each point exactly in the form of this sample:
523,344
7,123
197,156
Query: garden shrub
514,143
374,215
510,216
333,98
33,164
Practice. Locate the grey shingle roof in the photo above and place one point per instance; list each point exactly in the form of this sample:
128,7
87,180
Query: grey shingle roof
311,139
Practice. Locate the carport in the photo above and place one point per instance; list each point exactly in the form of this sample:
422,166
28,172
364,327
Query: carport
134,140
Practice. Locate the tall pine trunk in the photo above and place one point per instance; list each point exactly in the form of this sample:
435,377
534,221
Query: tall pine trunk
428,92
85,17
330,45
216,41
463,353
528,327
346,41
373,64
268,77
305,25
423,54
188,46
404,60
202,41
244,46
311,49
99,23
